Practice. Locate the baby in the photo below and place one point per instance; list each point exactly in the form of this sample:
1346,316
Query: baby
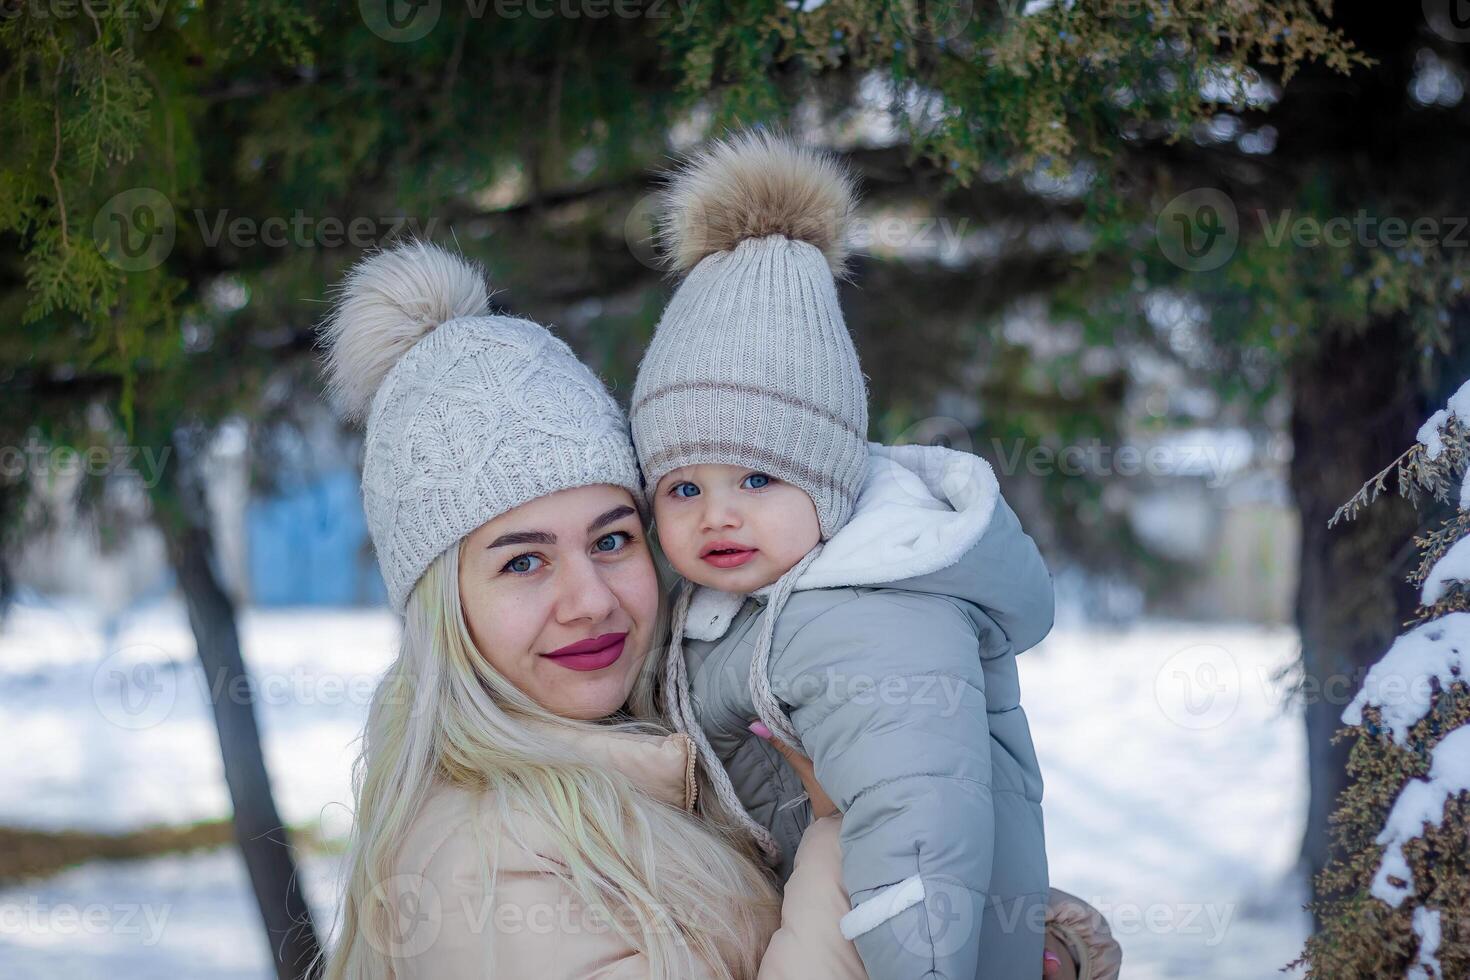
866,603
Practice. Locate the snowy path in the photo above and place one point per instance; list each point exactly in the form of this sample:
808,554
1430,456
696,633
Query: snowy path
1175,792
1174,785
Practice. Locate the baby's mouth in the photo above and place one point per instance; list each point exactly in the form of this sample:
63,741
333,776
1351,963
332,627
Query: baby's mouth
727,554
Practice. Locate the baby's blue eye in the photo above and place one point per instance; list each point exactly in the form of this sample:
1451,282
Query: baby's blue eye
685,489
615,541
522,564
756,481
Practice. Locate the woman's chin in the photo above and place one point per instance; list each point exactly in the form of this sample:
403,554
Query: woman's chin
591,697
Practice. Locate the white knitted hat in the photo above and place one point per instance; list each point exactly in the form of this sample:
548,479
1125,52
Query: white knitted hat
468,414
752,364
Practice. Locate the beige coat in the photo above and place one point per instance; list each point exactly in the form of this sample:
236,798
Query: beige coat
533,925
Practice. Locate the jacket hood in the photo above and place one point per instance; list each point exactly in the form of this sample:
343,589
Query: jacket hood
928,519
920,510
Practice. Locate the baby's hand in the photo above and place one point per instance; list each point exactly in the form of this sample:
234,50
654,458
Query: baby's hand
822,804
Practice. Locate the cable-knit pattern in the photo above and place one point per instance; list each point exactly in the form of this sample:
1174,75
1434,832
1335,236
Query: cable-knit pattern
483,414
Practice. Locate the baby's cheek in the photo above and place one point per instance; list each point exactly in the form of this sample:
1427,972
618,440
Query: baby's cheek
797,524
673,537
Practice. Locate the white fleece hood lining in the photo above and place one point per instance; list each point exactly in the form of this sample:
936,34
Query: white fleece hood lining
921,509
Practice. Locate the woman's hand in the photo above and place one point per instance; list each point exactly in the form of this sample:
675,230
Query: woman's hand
822,804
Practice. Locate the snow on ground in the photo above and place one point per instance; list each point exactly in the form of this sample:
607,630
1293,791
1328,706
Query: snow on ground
128,739
1175,788
179,916
1175,792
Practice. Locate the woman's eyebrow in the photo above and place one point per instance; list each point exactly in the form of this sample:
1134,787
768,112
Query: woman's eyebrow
616,514
546,537
523,537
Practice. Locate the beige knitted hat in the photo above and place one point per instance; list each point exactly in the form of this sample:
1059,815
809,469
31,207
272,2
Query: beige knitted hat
468,414
752,364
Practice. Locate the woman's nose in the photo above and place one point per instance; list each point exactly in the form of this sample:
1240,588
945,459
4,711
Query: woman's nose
584,594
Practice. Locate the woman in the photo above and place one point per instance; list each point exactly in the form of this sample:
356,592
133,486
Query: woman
518,814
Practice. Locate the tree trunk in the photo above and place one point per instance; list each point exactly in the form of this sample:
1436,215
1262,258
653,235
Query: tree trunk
263,840
1355,408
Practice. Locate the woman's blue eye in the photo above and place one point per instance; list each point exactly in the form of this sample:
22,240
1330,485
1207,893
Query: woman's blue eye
756,481
678,490
616,541
522,564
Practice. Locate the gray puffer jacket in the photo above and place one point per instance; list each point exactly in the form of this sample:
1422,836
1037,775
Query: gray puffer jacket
895,659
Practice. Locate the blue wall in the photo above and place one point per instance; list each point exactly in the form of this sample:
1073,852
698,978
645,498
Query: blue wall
309,547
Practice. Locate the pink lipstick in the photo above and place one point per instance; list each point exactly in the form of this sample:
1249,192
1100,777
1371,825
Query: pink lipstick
593,653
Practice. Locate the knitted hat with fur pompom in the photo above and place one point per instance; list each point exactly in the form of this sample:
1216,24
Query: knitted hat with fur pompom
468,414
752,364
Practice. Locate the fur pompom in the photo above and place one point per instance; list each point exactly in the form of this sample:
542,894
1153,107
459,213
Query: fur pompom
751,185
387,303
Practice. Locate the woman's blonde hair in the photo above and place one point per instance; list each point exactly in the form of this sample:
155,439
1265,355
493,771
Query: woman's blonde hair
674,886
